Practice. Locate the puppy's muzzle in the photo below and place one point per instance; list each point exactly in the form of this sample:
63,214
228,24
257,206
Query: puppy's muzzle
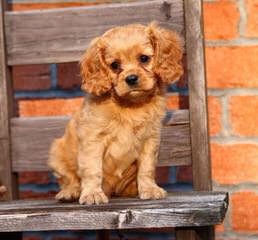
131,80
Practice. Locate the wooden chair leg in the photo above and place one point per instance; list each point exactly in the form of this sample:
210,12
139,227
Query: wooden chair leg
198,233
205,233
102,235
184,234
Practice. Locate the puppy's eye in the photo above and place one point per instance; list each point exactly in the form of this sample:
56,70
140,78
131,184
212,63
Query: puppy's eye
114,65
144,58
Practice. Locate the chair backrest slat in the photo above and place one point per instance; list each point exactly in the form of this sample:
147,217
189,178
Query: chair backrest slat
31,138
62,35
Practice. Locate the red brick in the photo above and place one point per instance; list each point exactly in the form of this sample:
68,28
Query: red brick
243,115
68,75
31,77
48,107
251,27
36,195
33,177
184,174
52,107
221,20
162,175
214,115
234,163
232,67
183,81
177,102
244,212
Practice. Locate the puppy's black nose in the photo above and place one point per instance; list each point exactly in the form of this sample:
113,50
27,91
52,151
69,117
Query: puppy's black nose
131,79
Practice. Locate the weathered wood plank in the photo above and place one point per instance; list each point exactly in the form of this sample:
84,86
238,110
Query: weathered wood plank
198,110
6,111
177,210
62,35
197,95
176,117
175,146
31,138
177,197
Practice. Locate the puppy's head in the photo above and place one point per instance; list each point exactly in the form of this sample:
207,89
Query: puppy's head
132,61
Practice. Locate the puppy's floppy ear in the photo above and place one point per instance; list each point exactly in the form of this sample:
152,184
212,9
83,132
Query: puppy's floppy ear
167,53
94,73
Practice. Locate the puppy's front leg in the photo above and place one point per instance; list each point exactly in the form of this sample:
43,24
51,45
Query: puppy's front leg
90,171
147,187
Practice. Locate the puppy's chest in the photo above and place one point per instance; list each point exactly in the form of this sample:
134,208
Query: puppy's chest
127,139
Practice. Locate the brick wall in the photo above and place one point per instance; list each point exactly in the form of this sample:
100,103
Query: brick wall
231,32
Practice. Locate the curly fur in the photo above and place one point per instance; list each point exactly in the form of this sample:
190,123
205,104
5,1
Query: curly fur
110,145
168,54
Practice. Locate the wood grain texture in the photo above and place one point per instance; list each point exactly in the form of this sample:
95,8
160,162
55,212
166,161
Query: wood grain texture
6,111
198,111
177,210
31,139
197,95
62,35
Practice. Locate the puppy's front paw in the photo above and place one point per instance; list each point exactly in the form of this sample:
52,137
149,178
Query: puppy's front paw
69,194
152,192
93,197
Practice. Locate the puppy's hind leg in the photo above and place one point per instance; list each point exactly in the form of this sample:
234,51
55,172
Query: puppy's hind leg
63,163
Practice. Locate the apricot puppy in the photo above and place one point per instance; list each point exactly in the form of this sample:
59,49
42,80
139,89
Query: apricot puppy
110,145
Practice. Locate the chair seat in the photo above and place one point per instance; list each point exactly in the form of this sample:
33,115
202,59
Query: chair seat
177,210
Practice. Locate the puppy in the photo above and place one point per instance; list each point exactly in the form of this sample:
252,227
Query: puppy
110,145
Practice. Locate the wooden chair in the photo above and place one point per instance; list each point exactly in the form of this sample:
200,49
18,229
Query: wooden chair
61,35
